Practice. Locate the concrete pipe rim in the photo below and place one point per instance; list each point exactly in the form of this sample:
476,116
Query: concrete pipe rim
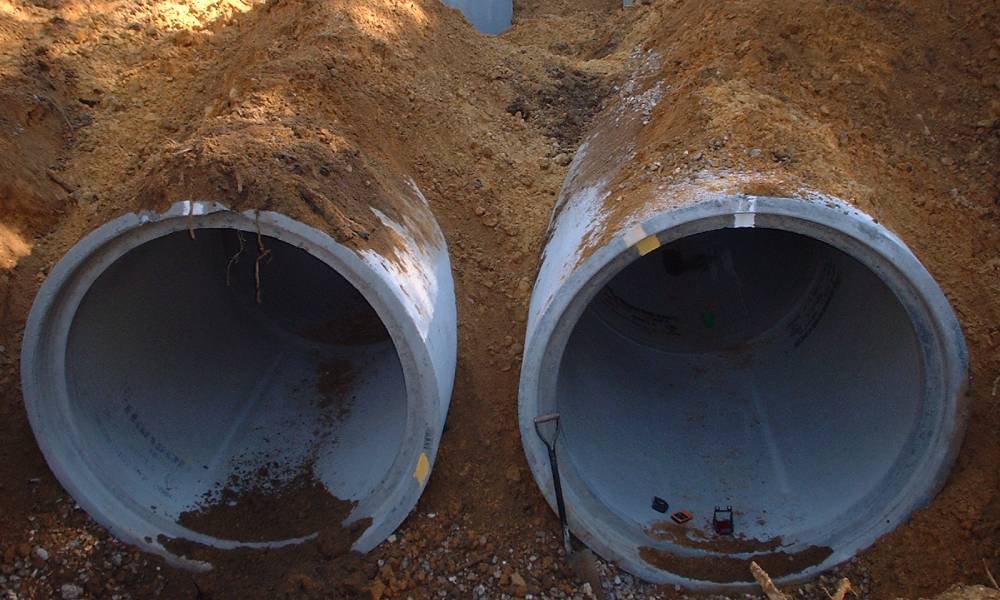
63,291
822,218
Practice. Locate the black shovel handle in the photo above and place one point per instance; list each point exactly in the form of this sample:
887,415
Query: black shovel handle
554,463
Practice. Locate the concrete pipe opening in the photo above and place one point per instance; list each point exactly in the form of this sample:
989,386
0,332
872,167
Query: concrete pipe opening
181,370
800,367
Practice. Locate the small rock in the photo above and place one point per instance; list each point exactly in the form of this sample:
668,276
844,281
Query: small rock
946,161
41,553
513,474
697,155
70,591
754,152
517,581
563,159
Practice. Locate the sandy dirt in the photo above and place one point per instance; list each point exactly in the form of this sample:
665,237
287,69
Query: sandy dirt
318,108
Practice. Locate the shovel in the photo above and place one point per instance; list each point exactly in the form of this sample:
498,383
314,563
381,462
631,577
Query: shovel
583,561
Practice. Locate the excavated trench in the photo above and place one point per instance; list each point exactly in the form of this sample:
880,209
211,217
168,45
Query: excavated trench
789,359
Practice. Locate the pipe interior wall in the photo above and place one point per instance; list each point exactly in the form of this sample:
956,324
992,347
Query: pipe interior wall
179,377
754,368
176,360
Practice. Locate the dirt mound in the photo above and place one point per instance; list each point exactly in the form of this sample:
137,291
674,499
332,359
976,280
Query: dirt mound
318,108
892,107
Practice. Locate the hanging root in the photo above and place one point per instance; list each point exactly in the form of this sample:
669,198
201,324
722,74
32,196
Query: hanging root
990,575
262,253
234,259
766,585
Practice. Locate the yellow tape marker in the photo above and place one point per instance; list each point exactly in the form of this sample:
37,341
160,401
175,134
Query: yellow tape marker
642,241
647,245
423,467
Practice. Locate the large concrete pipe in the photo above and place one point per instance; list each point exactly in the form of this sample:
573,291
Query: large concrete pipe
170,356
786,357
488,16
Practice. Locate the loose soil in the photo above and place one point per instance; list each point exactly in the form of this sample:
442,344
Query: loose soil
725,569
258,508
320,109
323,568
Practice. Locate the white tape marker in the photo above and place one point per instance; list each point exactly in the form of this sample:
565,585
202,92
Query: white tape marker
747,214
632,236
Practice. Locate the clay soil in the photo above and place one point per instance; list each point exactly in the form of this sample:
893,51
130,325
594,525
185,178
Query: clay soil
317,108
728,570
259,508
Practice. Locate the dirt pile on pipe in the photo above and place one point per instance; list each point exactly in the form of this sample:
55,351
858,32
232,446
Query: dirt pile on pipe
410,85
286,107
759,99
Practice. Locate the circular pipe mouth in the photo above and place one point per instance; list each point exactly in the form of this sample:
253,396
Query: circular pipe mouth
790,360
195,377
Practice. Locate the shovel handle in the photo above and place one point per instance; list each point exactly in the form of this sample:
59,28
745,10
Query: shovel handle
543,419
556,483
546,418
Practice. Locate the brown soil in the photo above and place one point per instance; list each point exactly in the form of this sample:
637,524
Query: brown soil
258,508
323,568
319,109
725,569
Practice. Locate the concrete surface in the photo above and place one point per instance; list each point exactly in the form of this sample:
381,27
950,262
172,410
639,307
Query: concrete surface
152,374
